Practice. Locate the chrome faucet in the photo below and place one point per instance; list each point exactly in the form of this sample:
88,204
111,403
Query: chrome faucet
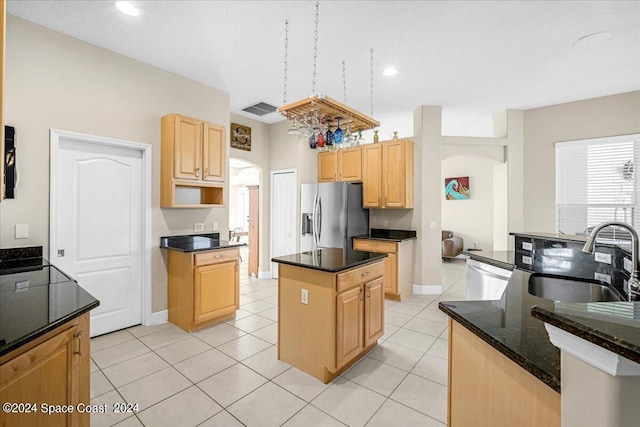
634,282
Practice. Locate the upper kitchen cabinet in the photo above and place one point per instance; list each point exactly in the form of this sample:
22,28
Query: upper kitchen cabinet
193,163
340,166
388,174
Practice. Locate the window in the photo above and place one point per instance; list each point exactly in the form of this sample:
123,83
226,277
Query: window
596,181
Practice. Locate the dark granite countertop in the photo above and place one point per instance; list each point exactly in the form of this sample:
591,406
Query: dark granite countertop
508,326
35,300
197,242
389,235
330,259
552,236
502,259
614,326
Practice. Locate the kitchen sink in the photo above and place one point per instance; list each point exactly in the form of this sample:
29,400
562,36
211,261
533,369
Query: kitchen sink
567,289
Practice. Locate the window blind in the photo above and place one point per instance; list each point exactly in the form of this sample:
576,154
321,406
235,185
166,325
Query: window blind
596,181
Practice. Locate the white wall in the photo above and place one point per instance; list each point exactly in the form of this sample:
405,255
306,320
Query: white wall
543,127
472,219
55,81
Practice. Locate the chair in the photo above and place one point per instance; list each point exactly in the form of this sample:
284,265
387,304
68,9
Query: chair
235,233
451,245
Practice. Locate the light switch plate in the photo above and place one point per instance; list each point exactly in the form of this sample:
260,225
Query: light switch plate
433,224
22,285
215,226
198,227
22,231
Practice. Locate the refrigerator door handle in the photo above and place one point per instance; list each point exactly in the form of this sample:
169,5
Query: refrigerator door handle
319,218
314,221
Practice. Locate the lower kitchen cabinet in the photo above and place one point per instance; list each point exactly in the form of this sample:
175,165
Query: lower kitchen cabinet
486,388
342,318
52,370
398,268
203,287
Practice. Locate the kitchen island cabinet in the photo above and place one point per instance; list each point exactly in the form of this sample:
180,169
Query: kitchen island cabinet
330,309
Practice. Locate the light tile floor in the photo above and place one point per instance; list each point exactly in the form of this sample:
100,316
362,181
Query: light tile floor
228,374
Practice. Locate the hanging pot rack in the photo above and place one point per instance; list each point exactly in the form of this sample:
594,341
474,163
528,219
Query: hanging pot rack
329,109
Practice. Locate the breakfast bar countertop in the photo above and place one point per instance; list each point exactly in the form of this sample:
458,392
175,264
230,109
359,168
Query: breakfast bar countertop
389,235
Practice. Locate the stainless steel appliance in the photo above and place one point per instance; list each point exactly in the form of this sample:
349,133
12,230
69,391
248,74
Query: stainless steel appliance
332,214
484,281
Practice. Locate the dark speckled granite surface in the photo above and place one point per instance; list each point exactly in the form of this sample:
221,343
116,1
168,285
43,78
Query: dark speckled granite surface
196,242
388,234
330,259
502,259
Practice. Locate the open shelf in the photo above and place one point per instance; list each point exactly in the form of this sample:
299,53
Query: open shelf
195,194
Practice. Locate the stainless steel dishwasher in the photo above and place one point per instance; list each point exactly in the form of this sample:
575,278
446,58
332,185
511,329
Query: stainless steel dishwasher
485,281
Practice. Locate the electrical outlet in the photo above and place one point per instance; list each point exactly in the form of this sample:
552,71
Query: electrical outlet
198,227
527,246
433,224
215,226
304,296
385,223
628,265
527,260
22,285
602,257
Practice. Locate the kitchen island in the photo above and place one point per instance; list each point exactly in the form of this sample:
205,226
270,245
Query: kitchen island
44,340
503,367
330,309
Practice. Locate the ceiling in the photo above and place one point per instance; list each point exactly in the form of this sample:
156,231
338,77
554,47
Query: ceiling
473,58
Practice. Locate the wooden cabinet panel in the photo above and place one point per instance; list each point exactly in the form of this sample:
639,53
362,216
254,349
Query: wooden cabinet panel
359,275
213,152
328,166
393,174
488,389
374,246
188,145
391,274
372,176
210,257
349,325
215,290
48,373
350,164
373,311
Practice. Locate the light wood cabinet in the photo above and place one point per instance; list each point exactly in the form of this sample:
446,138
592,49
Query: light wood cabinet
343,319
340,166
388,174
398,268
203,287
193,161
486,388
53,370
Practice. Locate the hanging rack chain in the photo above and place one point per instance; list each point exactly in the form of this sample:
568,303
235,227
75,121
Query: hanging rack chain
286,59
371,87
315,50
344,81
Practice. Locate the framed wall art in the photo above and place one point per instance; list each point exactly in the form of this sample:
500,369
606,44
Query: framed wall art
240,137
456,188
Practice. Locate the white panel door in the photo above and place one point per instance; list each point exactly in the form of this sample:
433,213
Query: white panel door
99,213
283,216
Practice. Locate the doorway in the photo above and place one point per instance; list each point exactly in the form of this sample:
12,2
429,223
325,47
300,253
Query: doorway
242,176
100,225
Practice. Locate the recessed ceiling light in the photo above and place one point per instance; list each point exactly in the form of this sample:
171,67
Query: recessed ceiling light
390,72
127,8
592,39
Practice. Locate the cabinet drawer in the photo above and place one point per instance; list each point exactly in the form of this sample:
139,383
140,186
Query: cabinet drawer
212,257
375,246
360,275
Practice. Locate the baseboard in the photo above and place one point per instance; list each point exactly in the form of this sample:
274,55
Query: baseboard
159,317
264,275
427,289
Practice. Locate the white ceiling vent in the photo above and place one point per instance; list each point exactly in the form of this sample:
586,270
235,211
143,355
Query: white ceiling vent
260,109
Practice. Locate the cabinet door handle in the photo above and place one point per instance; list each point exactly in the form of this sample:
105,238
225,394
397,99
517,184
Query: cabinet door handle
206,172
218,256
197,172
361,294
365,274
79,336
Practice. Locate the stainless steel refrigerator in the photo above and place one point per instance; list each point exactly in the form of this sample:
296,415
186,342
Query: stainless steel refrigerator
332,214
